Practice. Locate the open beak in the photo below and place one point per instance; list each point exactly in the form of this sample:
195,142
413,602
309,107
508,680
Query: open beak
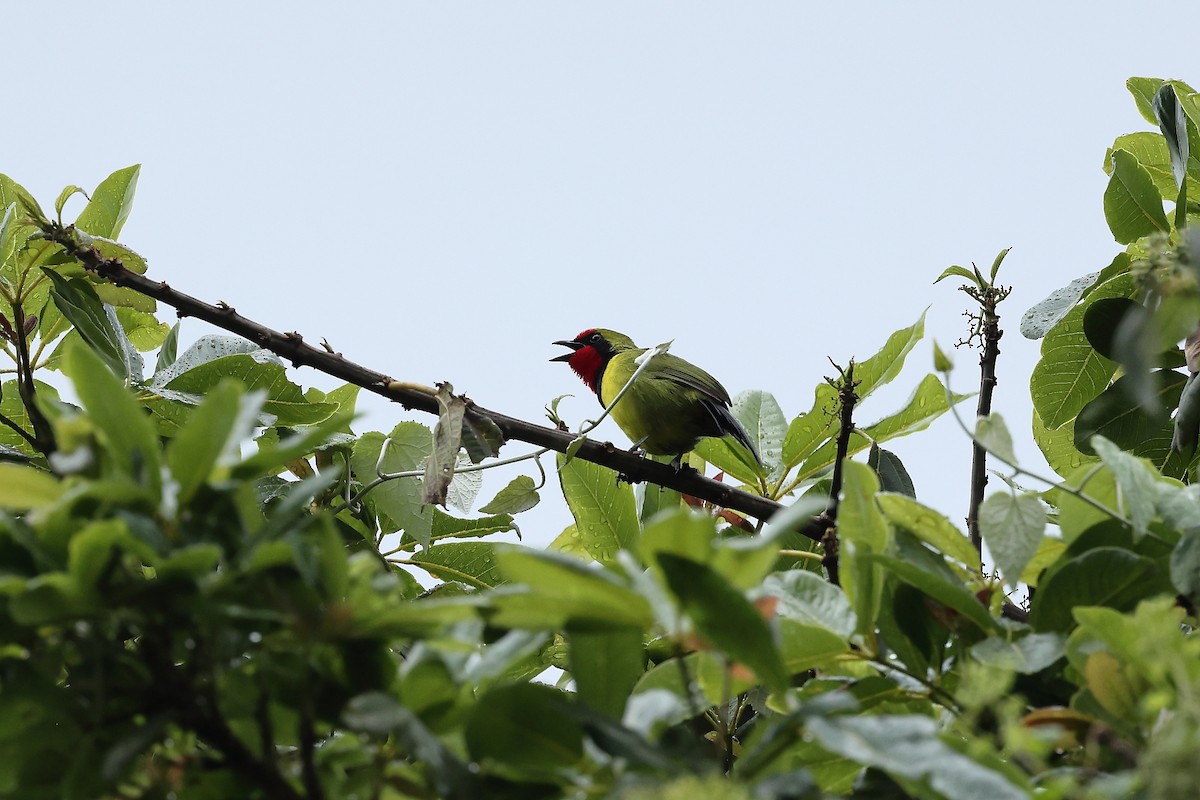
567,356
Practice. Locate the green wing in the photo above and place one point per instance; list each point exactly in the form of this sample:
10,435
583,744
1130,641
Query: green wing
674,368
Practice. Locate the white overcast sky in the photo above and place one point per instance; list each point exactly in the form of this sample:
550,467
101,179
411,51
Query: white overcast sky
442,189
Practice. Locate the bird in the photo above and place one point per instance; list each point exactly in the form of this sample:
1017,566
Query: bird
670,407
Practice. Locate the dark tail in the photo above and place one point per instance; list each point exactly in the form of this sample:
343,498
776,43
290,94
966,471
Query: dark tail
728,425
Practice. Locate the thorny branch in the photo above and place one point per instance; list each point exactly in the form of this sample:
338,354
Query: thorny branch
847,398
292,346
988,333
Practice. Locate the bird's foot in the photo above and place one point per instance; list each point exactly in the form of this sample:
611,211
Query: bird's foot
677,463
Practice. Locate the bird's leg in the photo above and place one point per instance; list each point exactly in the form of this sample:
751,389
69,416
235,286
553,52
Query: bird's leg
677,463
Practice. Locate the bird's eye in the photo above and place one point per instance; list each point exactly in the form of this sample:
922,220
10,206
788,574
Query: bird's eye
595,337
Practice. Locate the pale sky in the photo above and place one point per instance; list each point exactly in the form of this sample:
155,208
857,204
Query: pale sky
442,189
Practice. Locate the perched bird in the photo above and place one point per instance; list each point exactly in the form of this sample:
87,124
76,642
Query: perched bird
672,405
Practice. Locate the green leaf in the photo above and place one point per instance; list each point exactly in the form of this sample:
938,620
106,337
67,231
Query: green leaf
126,431
398,500
807,598
1179,506
210,440
863,531
1074,515
1116,415
23,488
14,409
1132,204
50,598
1172,121
167,352
1135,481
205,349
1185,564
724,616
111,203
762,418
8,226
1070,372
472,563
565,591
91,551
144,331
519,495
66,194
741,560
941,361
379,714
997,261
961,272
122,295
446,526
568,543
1186,426
1027,655
524,730
1058,447
1038,320
1103,576
275,452
992,434
1143,91
653,499
806,432
604,509
893,477
606,665
97,324
1013,526
285,400
682,534
929,573
885,365
926,404
909,747
930,527
1151,151
804,647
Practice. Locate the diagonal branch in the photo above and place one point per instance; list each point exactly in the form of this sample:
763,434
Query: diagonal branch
293,347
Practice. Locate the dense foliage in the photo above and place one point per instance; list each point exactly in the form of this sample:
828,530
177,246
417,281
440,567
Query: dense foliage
211,587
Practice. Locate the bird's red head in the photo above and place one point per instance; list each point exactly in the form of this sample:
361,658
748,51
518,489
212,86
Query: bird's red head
591,354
